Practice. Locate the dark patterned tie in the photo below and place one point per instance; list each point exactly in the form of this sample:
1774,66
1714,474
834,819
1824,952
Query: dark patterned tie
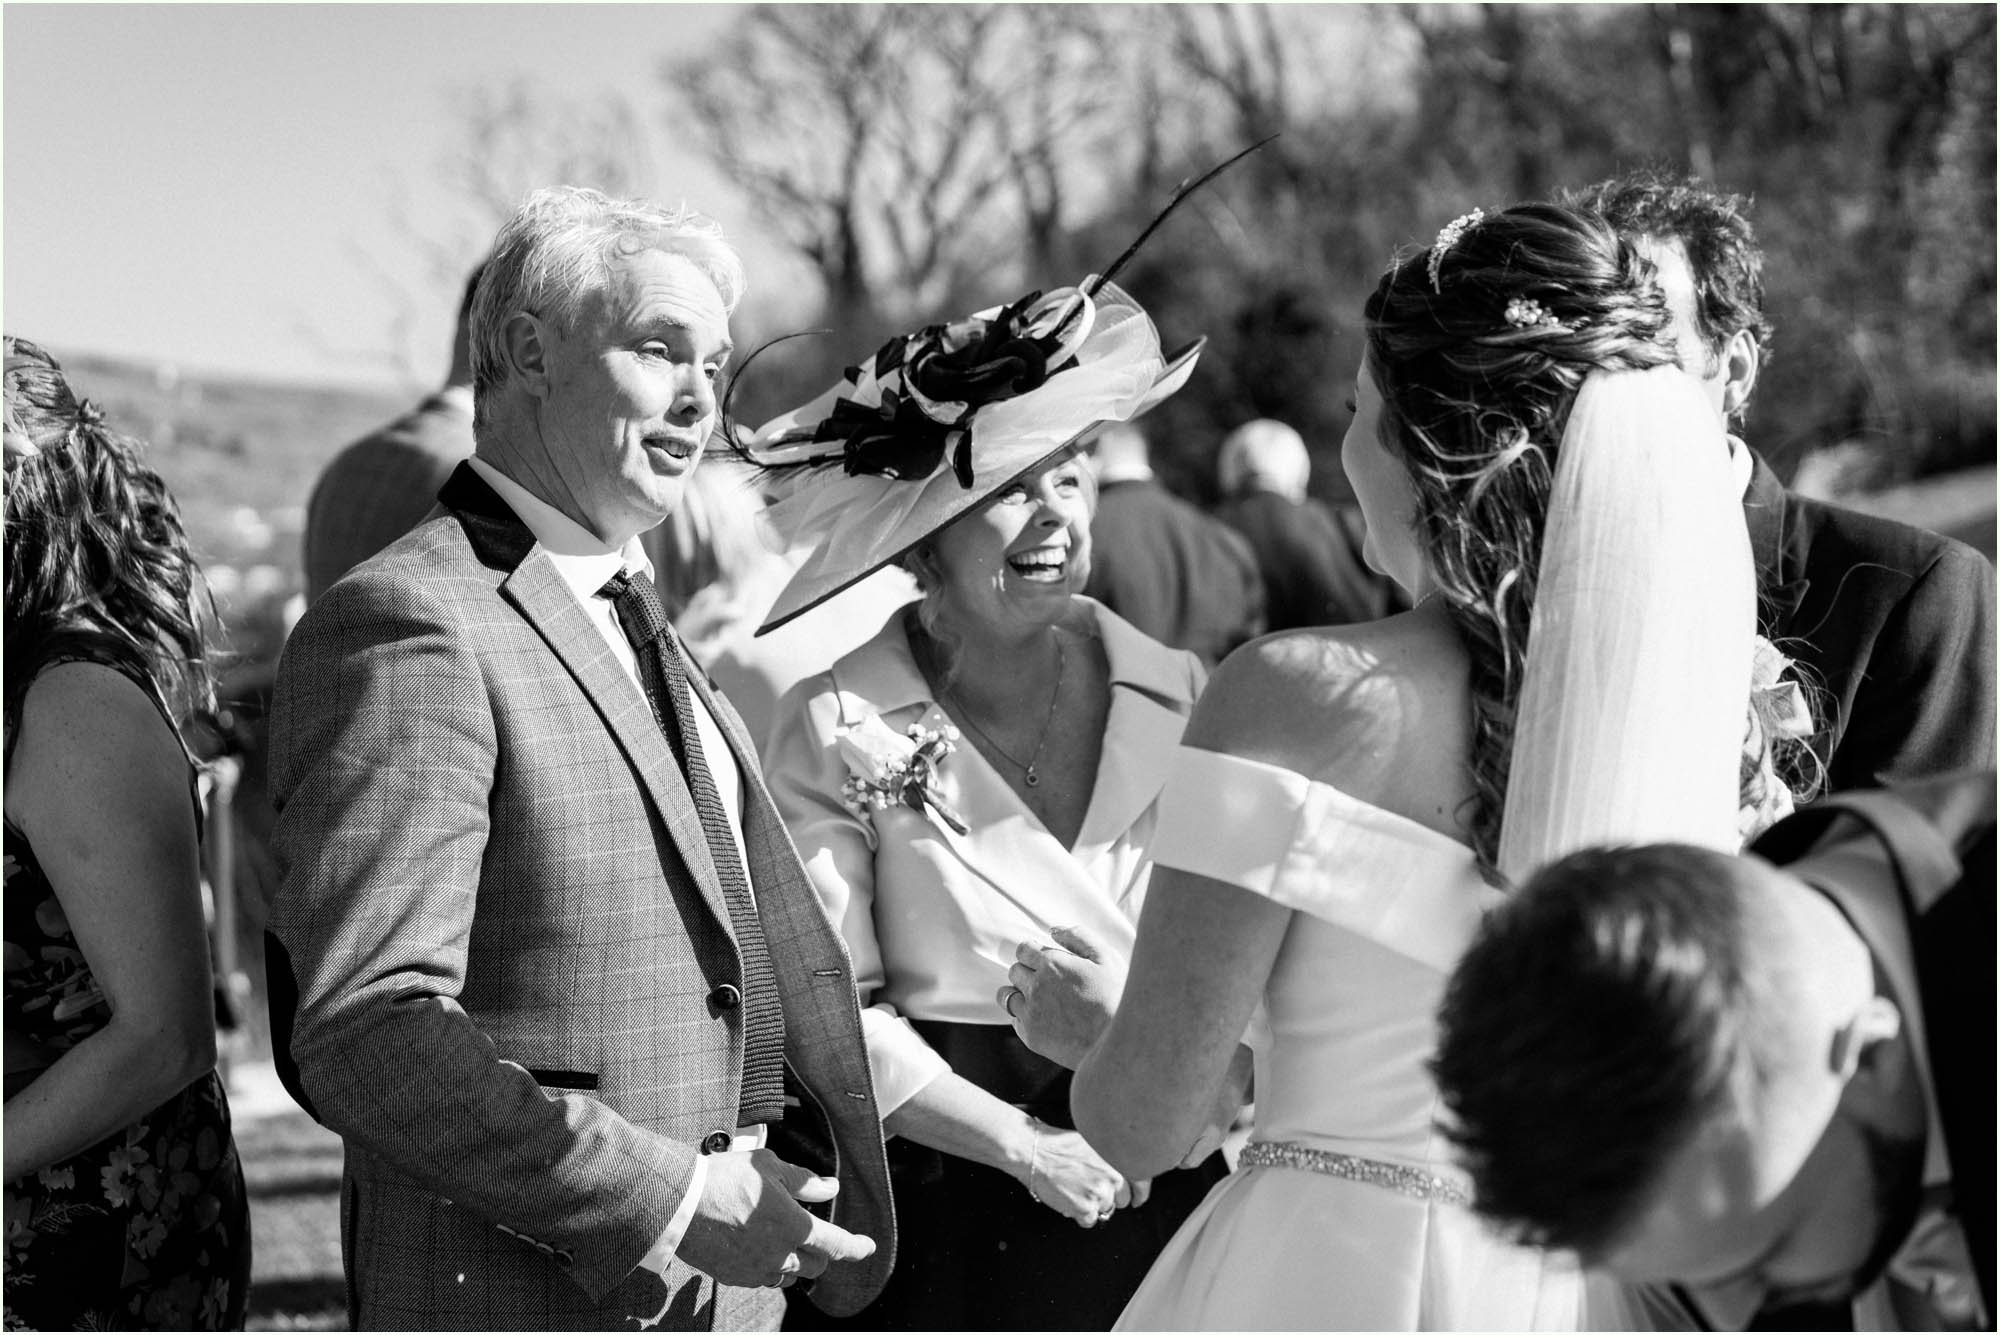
664,672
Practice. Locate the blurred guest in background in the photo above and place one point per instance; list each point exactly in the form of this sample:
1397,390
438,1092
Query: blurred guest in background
377,489
717,579
1187,580
125,1205
1309,555
1896,623
983,770
1762,1085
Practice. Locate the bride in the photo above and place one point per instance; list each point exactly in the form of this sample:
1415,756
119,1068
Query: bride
1555,496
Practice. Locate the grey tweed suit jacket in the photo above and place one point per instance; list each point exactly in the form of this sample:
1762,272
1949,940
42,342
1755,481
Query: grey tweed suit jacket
507,940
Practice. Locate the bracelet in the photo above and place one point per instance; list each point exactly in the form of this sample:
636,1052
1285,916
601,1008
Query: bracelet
1034,1155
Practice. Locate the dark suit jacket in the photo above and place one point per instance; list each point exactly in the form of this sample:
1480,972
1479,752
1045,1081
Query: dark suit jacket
1932,842
1313,571
381,487
508,940
1893,622
1187,580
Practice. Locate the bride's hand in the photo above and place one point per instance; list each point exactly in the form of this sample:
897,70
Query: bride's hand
1066,1175
1061,1000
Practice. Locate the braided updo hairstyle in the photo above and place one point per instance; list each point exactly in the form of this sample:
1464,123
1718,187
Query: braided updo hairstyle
1478,371
97,563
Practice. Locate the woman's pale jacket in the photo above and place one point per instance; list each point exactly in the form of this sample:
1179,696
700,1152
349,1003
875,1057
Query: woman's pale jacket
932,917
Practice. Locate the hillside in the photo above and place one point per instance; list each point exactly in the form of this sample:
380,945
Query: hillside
227,445
241,456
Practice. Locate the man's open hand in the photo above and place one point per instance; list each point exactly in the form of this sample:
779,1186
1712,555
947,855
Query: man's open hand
751,1231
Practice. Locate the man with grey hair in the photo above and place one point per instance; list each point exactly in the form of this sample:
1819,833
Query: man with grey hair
542,952
1309,555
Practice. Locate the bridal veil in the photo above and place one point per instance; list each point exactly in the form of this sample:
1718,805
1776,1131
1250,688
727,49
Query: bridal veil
1631,717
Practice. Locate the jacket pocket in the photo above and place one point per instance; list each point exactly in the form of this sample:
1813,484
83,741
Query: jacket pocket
583,1080
806,1136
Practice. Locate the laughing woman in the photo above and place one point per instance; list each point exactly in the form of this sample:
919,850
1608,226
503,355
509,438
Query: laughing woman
984,770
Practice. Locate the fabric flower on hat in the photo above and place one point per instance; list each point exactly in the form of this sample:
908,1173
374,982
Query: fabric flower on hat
939,420
862,505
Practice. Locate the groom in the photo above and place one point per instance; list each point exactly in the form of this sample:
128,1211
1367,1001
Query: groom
1894,623
556,975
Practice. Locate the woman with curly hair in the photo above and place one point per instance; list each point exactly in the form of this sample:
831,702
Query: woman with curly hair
1555,496
125,1205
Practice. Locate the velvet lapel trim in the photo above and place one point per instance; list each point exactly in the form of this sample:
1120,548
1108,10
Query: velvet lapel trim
536,589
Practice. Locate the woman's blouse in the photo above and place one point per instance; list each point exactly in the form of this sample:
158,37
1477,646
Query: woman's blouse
932,916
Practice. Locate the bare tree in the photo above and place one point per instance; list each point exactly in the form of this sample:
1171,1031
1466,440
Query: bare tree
518,139
907,152
514,138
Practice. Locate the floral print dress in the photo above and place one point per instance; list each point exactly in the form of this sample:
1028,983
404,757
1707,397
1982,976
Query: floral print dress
148,1229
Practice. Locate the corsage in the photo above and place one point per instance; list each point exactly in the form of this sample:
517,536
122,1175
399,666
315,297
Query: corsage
887,769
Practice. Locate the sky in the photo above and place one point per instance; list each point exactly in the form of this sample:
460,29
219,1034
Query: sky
234,188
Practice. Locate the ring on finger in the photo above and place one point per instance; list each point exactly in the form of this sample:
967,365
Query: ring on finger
1012,995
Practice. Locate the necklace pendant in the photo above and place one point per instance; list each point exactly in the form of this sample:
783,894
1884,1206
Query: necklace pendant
1032,779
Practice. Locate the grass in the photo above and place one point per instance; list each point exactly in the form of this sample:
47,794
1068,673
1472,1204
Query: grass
292,1167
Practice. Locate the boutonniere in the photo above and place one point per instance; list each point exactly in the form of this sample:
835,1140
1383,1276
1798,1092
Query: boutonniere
1778,711
887,769
1784,702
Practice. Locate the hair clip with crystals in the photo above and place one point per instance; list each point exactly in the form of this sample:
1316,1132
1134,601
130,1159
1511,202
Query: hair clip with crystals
1447,237
1527,313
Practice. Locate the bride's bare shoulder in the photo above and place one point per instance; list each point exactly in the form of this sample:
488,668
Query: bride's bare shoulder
1350,704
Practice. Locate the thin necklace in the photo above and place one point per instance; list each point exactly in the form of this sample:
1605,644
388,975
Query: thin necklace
1029,773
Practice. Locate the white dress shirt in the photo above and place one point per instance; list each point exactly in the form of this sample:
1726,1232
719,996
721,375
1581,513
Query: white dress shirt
585,561
1742,465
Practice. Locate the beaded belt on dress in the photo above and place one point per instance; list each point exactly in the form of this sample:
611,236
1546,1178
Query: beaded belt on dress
1396,1177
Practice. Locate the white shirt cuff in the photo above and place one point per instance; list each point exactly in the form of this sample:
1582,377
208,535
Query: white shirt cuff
677,1227
748,1138
900,1059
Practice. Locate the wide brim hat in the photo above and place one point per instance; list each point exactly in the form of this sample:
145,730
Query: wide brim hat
870,468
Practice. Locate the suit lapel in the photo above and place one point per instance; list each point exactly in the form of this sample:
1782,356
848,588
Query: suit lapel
1780,558
537,591
741,747
760,814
